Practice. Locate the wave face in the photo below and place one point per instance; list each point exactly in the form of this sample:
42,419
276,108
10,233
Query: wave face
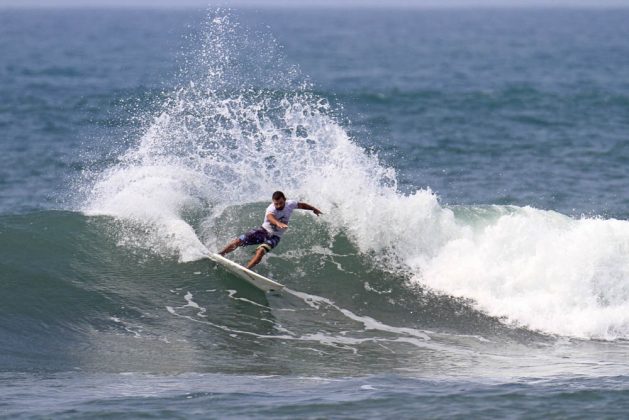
243,124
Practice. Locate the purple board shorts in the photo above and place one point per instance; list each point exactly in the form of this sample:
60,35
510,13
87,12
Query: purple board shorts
260,236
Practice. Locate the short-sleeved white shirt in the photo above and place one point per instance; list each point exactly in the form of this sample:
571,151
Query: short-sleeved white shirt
281,215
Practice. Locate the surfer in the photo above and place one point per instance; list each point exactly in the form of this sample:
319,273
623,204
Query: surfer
268,235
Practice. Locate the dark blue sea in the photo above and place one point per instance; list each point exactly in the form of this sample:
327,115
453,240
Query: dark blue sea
473,255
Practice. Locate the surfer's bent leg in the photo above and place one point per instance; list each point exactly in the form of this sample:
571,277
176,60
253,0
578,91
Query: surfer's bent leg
231,246
268,244
257,257
253,237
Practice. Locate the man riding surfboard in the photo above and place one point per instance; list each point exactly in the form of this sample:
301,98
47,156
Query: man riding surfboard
267,236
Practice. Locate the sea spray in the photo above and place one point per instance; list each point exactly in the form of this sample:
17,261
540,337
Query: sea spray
225,140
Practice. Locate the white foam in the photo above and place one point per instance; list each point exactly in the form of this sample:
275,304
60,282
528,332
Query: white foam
192,304
368,322
542,270
232,295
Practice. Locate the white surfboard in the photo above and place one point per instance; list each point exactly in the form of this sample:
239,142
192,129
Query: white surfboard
259,281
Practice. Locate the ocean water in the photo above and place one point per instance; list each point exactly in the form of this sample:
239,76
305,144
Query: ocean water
473,255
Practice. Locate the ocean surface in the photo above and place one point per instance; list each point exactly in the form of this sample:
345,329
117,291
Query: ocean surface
473,255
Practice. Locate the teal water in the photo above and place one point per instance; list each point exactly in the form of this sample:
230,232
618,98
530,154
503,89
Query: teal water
471,261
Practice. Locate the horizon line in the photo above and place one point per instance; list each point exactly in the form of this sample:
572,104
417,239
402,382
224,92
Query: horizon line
310,6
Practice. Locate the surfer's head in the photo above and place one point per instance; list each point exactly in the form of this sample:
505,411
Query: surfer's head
279,200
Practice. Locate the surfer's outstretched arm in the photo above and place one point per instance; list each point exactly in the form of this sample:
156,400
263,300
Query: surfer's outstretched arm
306,206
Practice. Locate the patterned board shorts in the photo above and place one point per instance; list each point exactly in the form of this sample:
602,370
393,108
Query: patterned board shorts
260,236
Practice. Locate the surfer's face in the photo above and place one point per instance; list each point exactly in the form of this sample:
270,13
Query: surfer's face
279,204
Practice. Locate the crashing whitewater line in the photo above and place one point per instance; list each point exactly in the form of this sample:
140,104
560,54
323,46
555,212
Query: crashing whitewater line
543,270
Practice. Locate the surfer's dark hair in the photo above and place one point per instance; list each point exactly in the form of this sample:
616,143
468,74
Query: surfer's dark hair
278,194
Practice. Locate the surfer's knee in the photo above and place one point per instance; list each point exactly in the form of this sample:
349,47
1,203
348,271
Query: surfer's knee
263,249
